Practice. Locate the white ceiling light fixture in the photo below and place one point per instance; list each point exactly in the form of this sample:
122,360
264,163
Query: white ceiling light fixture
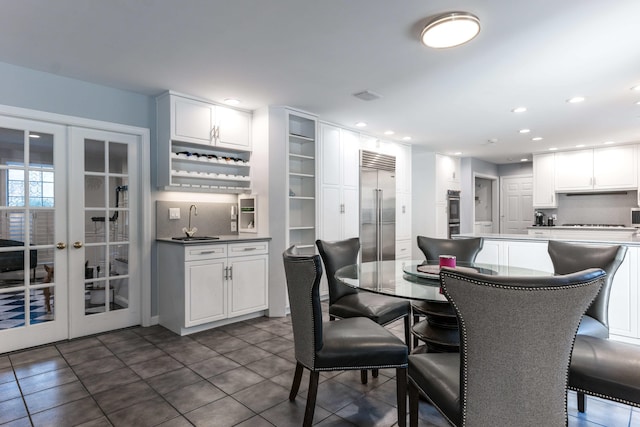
636,88
608,142
553,149
361,125
450,29
536,138
576,100
519,110
406,138
524,130
389,132
232,101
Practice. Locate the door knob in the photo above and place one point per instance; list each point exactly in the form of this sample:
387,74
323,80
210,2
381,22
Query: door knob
61,245
77,245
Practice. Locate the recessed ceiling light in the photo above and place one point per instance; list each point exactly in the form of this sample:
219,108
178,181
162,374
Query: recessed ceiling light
524,159
636,88
579,145
361,124
450,29
638,103
457,153
34,135
406,138
389,132
519,110
552,149
232,101
608,142
575,99
536,138
525,130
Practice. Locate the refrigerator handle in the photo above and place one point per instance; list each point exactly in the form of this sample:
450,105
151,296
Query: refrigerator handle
379,224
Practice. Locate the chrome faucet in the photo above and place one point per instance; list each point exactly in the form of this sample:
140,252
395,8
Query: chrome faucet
191,231
195,208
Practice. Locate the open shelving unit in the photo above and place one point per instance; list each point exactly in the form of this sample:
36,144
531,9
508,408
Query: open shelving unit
248,209
302,182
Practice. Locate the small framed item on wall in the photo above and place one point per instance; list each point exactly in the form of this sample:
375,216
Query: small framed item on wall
248,218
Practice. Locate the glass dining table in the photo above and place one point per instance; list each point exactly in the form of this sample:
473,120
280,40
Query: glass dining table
419,280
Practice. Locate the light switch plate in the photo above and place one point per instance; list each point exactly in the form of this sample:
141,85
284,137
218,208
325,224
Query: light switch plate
174,213
234,226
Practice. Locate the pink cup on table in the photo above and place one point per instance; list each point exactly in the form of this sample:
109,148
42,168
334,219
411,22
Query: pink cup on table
448,261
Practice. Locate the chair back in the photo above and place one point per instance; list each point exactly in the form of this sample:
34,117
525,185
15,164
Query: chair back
516,338
569,258
336,255
465,250
303,273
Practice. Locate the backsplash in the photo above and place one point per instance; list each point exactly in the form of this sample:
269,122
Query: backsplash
213,219
594,208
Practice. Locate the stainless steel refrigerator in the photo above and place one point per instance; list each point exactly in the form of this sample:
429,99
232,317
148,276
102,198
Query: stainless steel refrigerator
377,206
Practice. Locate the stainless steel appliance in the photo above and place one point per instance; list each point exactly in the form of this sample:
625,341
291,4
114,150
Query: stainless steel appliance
453,212
377,206
635,217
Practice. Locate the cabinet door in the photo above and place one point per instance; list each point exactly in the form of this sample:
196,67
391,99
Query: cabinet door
623,302
441,221
574,170
544,186
331,213
206,292
615,167
248,284
330,154
350,147
403,168
234,128
351,213
192,121
403,216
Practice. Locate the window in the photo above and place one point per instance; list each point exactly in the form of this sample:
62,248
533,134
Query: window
40,186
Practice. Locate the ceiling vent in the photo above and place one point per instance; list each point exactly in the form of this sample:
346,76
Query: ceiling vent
367,95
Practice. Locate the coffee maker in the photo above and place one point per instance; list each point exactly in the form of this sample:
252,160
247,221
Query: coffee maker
539,219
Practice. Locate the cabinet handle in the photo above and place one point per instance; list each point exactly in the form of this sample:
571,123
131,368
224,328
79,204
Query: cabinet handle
207,252
217,133
253,248
342,208
231,273
404,210
212,134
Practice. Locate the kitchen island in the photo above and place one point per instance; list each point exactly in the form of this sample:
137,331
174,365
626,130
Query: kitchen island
530,251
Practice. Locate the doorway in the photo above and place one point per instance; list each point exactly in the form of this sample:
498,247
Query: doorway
70,203
486,203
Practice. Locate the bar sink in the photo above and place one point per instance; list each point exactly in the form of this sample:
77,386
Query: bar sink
193,238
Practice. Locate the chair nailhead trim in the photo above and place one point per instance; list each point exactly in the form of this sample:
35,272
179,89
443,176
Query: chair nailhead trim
605,396
463,328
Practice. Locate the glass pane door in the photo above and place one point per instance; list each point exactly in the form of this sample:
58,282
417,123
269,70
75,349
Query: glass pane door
103,219
33,275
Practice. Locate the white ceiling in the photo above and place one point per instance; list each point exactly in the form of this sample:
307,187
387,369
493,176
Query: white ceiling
314,55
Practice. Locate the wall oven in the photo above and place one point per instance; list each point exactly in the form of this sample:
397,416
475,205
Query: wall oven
453,212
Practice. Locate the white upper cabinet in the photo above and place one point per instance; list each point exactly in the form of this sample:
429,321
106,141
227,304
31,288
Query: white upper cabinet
544,188
201,122
339,204
612,168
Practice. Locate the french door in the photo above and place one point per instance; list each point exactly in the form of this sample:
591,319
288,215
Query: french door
103,232
33,220
69,232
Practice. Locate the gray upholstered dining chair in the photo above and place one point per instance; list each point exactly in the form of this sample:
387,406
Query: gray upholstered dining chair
346,302
465,250
351,344
569,258
516,337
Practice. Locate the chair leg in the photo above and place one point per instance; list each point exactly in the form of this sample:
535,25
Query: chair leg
414,402
407,333
295,386
582,403
311,399
401,391
363,376
331,318
375,372
416,319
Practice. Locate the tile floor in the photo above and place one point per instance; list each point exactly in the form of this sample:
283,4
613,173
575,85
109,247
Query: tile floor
236,375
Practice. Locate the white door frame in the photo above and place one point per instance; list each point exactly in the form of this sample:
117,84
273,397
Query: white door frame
144,174
495,200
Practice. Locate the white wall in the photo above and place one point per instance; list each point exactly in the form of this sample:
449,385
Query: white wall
423,166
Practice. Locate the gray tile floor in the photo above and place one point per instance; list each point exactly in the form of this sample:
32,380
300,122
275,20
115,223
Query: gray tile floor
236,375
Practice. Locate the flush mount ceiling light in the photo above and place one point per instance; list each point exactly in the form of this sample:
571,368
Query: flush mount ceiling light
450,29
232,101
575,100
519,110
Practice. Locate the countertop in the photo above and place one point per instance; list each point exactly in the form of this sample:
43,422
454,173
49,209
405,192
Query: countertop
629,241
582,227
231,238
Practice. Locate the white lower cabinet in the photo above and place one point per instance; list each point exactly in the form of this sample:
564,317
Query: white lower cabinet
203,286
624,300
